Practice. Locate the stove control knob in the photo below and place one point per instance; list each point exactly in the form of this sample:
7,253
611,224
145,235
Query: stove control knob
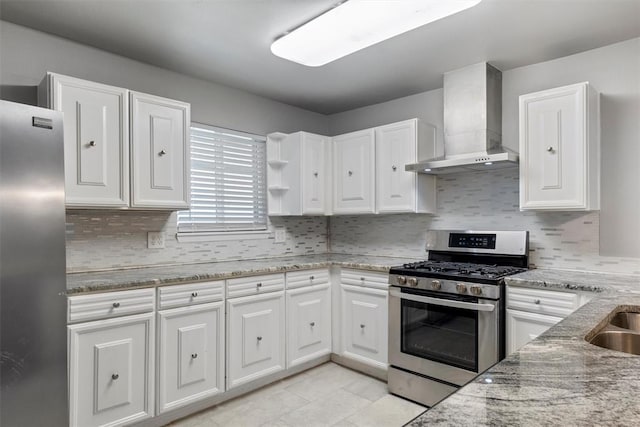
412,281
436,285
401,280
461,288
476,290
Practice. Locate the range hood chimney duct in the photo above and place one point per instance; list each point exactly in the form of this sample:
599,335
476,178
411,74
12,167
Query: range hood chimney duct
472,123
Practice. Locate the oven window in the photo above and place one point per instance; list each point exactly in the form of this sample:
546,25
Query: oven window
442,334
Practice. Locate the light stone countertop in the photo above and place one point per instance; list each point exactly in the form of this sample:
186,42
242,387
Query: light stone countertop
114,280
558,379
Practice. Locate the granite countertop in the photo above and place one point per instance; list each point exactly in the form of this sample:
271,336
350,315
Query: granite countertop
558,378
185,273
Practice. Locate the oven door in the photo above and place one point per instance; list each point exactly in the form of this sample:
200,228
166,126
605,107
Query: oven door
447,337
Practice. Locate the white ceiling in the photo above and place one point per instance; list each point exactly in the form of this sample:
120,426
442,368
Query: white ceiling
227,42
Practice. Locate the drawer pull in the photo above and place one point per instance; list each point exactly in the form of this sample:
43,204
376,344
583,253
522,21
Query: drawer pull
115,376
361,326
116,304
362,279
259,338
92,144
536,301
194,356
259,285
312,324
194,294
162,152
311,277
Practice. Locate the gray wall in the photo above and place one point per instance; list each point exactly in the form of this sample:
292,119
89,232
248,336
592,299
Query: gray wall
26,55
615,72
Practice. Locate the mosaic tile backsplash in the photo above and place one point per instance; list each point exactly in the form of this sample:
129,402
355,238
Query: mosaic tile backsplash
98,240
483,201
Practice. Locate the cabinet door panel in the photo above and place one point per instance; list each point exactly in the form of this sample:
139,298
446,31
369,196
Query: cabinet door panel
111,371
255,337
364,325
96,135
191,354
159,152
396,147
523,327
313,173
354,178
308,323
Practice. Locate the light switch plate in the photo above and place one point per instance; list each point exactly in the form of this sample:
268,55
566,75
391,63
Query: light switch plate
155,240
280,235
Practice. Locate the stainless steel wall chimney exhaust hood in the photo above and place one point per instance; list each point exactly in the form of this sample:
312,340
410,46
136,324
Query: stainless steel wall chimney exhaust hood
472,124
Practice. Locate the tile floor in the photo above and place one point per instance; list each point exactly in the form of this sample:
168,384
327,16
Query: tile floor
328,395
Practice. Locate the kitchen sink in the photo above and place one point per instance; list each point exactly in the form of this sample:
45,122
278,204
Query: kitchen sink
621,333
627,342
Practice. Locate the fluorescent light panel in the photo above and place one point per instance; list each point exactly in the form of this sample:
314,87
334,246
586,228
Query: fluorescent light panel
357,24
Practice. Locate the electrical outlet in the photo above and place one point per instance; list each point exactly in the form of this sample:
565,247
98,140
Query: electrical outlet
155,240
280,235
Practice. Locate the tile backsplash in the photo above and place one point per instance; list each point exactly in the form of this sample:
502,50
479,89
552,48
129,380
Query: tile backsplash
483,201
99,240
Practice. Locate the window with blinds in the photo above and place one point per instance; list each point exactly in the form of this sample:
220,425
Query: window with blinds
228,182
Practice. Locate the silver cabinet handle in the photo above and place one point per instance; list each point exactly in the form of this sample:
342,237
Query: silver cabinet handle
394,168
259,338
115,376
537,301
312,324
116,304
311,277
194,294
361,326
92,144
549,149
162,152
350,173
315,174
443,302
194,355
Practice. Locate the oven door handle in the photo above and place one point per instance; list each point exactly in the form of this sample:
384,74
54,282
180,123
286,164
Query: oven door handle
442,302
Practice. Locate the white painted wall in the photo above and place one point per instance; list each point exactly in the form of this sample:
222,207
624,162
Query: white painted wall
615,72
26,55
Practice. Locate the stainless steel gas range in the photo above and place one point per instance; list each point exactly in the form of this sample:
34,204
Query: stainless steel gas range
446,314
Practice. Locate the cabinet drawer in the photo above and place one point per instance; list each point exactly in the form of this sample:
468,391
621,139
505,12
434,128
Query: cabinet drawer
83,308
542,301
191,294
299,279
364,278
245,286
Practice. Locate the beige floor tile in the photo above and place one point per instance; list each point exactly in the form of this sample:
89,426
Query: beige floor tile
327,410
367,387
319,385
388,411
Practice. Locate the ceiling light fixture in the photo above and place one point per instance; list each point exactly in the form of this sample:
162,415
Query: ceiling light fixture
357,24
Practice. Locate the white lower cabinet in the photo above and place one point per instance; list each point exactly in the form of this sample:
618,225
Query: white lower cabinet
111,371
308,323
365,324
523,327
255,337
191,354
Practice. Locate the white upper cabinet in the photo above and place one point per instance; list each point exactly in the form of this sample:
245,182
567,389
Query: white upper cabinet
298,174
159,152
397,190
560,149
354,172
96,140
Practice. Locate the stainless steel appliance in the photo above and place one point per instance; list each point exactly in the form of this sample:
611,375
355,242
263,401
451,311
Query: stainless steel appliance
33,339
446,314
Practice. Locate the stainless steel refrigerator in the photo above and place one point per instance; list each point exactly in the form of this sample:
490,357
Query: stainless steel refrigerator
33,339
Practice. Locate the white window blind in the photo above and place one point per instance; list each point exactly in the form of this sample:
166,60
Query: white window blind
228,184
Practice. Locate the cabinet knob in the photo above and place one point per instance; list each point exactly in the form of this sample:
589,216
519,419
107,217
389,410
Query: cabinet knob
361,326
115,376
394,168
549,149
537,301
312,277
92,144
259,338
162,152
315,174
116,304
258,285
194,356
312,324
194,294
350,173
362,279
